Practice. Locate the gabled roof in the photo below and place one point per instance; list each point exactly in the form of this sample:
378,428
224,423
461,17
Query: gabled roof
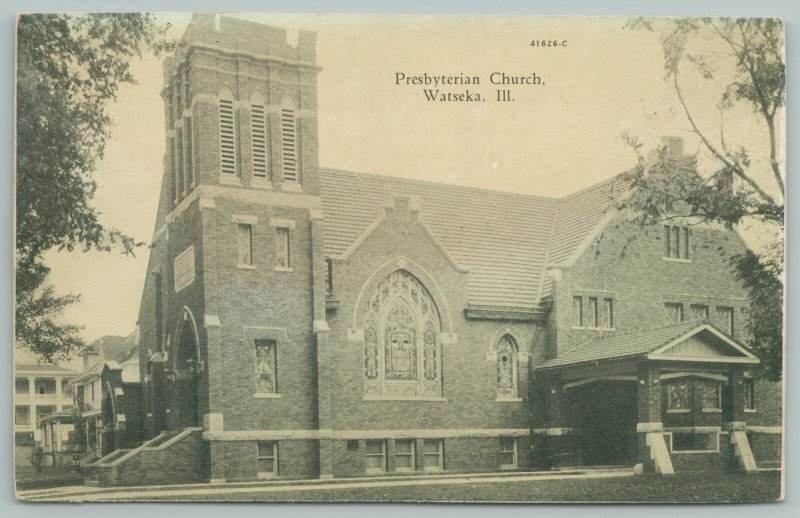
501,238
664,343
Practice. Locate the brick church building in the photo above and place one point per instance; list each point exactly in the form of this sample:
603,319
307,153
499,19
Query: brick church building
303,322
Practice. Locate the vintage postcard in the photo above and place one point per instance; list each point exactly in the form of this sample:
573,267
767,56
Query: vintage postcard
362,258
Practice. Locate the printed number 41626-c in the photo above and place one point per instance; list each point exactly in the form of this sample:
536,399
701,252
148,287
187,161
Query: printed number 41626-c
548,43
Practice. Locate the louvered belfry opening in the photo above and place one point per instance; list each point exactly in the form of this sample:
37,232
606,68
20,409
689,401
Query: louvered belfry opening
227,136
288,141
258,122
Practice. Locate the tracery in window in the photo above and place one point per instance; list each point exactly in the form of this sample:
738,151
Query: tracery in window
402,344
506,367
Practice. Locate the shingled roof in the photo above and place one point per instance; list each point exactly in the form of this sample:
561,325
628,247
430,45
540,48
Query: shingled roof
630,345
506,240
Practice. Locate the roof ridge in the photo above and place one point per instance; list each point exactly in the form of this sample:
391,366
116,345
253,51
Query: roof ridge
482,190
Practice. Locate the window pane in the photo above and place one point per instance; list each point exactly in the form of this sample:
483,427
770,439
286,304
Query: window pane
675,242
282,247
266,449
403,447
507,459
265,368
577,311
699,312
592,312
674,312
400,344
506,368
375,462
608,313
266,465
710,394
749,395
374,447
725,318
245,244
685,243
678,396
431,446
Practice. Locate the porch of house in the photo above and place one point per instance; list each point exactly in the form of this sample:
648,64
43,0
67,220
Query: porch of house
672,399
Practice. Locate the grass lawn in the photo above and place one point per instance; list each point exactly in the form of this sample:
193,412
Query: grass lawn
680,488
29,478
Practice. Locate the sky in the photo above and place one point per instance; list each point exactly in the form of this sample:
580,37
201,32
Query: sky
552,140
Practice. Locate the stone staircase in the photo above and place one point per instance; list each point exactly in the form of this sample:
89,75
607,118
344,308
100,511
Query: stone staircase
177,457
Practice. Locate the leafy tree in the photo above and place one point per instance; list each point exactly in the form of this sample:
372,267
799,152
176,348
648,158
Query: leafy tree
69,67
749,72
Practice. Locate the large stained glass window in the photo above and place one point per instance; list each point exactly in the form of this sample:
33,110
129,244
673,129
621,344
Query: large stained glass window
402,346
506,367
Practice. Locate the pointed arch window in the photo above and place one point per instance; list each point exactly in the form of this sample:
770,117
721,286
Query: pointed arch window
402,340
258,134
507,368
289,154
227,132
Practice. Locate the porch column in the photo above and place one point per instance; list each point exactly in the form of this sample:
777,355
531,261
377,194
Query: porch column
32,407
59,395
735,396
649,414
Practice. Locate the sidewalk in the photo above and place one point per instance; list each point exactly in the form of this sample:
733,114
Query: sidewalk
217,491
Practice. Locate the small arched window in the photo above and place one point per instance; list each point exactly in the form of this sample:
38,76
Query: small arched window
289,140
258,133
227,132
506,368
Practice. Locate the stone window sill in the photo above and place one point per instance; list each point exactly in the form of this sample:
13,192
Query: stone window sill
266,395
283,269
404,398
508,399
678,410
230,180
676,260
261,183
291,187
437,469
750,410
266,475
376,471
246,266
508,467
712,410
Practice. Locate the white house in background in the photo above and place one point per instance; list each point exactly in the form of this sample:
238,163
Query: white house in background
40,389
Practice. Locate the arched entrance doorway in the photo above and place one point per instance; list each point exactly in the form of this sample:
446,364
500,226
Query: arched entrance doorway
184,377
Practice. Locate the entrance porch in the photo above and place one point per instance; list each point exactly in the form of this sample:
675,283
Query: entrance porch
672,398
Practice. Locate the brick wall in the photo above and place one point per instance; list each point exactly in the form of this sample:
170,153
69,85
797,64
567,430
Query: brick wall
626,262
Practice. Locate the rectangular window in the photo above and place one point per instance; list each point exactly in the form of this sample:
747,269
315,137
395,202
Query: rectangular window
577,311
245,244
352,445
592,315
676,242
608,314
699,311
710,395
21,386
433,453
266,367
674,311
508,452
694,441
678,396
376,455
404,455
725,318
267,459
282,249
227,137
22,415
749,389
258,125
